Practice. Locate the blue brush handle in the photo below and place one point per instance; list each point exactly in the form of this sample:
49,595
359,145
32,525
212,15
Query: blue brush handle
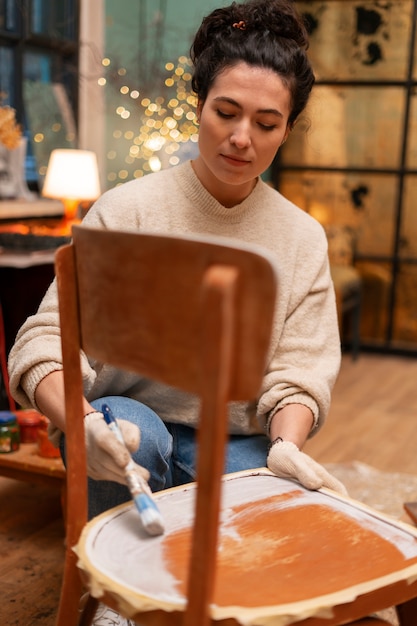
138,488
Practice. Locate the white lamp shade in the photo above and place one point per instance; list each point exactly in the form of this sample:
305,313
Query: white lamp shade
72,174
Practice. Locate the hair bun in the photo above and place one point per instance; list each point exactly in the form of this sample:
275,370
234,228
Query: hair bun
279,17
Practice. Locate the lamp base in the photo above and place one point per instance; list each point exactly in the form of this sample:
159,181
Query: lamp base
70,209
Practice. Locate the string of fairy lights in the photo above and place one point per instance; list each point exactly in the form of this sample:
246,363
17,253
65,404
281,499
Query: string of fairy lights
145,132
151,133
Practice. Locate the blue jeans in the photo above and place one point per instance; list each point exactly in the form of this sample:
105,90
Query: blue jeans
168,451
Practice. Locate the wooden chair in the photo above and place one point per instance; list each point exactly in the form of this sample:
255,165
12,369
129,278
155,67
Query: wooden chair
194,313
190,313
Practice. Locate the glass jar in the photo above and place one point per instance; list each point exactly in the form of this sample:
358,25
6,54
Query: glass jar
9,432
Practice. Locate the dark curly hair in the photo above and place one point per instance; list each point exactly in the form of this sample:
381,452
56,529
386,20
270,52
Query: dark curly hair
265,33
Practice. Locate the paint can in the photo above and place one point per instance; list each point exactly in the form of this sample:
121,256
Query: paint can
29,422
9,432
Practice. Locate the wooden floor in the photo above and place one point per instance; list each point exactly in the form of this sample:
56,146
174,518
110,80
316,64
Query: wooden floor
32,551
373,416
373,419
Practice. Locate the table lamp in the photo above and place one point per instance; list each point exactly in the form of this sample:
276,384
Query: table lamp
72,176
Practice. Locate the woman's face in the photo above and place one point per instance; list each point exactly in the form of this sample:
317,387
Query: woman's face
243,121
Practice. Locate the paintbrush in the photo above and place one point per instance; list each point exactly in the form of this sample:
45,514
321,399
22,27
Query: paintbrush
149,514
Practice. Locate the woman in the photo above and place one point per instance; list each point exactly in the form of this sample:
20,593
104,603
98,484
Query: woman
252,78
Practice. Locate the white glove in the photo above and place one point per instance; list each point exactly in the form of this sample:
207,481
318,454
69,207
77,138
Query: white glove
287,461
106,456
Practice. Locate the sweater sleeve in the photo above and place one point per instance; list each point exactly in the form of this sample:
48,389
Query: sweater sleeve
37,351
307,355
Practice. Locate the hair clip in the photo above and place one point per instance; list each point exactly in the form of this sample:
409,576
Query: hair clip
240,25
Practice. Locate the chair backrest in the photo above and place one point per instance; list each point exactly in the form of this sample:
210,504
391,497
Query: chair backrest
192,312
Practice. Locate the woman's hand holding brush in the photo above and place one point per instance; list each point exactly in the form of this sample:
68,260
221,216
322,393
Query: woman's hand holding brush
107,458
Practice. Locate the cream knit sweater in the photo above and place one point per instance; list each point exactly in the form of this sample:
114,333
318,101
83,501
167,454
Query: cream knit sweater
305,347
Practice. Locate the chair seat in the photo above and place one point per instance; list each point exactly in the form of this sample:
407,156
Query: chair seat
262,569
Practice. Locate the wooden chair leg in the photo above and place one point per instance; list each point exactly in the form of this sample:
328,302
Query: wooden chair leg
71,590
407,613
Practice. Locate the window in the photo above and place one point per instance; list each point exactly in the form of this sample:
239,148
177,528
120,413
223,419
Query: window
352,162
39,75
